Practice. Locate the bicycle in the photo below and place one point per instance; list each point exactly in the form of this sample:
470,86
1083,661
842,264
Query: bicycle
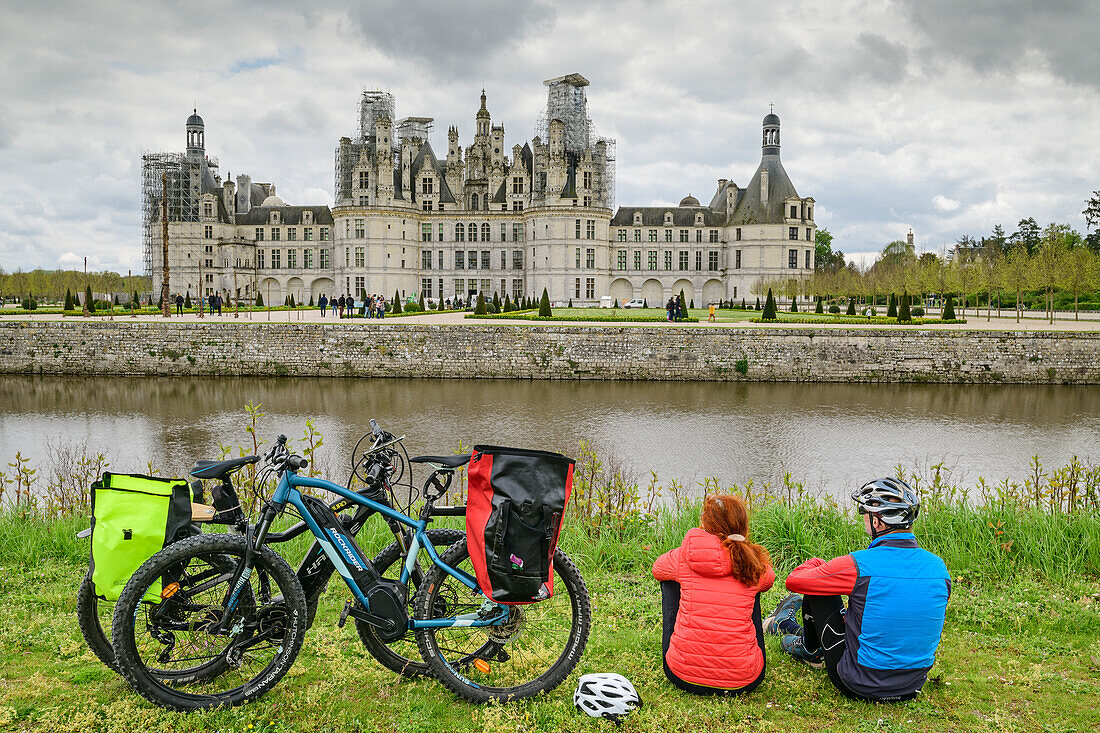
314,572
254,617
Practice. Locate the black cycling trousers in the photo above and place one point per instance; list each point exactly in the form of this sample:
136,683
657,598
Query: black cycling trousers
670,609
823,628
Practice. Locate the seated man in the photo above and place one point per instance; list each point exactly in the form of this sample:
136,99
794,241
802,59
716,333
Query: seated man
883,645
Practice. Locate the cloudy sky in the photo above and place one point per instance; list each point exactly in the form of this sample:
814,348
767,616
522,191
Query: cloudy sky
942,116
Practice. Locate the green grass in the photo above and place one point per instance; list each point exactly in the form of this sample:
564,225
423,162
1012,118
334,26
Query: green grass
1019,652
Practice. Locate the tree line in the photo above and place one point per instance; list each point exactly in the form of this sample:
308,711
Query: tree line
53,284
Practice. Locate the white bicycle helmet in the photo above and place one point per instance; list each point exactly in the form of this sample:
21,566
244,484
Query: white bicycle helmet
606,695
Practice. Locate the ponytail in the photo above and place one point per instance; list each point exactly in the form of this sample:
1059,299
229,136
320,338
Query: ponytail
727,517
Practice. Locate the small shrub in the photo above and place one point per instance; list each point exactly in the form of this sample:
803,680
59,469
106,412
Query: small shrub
544,305
769,308
949,309
851,307
834,308
892,311
187,300
904,313
259,300
480,309
917,311
741,366
68,299
396,301
794,304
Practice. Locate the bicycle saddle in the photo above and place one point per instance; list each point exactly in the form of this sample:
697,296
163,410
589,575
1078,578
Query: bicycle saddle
220,469
445,461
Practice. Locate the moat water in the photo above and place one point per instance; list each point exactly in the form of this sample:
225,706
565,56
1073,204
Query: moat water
830,436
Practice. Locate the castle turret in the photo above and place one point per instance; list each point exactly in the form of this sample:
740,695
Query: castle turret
482,120
196,136
771,134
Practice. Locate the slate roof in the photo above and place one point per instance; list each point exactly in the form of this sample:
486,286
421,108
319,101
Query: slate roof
654,216
426,157
292,215
501,196
750,209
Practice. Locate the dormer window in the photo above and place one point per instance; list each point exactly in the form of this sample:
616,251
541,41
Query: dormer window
307,217
637,218
426,186
698,219
794,212
668,218
274,217
364,179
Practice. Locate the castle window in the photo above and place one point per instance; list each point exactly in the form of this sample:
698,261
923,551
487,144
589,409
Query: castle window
792,232
712,260
473,201
360,257
426,287
426,186
503,232
307,259
684,235
471,258
208,209
260,259
668,259
473,232
503,261
485,232
590,229
698,260
792,259
698,235
738,234
621,259
517,184
427,205
622,235
486,261
637,235
460,261
460,233
590,287
324,234
276,259
577,291
360,228
578,258
714,235
517,206
326,259
364,179
809,262
518,233
208,232
441,232
587,200
668,235
292,258
637,259
589,258
653,259
653,235
307,234
274,234
577,230
307,217
292,234
794,212
259,234
683,259
587,179
426,259
809,235
517,259
426,234
637,218
737,259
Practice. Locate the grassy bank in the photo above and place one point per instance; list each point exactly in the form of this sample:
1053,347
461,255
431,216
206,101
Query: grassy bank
1019,651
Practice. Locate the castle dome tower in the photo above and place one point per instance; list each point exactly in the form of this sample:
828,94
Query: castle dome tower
196,134
771,134
483,118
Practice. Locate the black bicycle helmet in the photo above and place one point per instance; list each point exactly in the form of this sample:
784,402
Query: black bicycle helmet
893,501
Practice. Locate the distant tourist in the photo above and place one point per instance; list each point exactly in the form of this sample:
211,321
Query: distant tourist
713,638
710,311
179,304
881,647
218,302
670,308
341,306
332,304
323,302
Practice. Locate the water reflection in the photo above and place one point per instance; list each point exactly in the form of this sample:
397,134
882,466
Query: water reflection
830,435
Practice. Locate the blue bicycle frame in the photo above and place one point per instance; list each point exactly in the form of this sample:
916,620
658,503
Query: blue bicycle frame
341,553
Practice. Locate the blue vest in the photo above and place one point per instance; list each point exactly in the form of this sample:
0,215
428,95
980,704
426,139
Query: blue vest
895,617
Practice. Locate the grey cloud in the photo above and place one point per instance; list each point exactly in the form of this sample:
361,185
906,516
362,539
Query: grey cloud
451,37
996,35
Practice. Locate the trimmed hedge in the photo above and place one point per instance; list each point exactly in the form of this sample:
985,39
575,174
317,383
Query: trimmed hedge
872,320
601,318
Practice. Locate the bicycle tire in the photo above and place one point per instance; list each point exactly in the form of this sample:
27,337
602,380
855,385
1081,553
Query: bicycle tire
393,655
434,593
290,613
91,623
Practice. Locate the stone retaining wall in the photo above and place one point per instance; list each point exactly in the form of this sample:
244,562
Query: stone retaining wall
548,352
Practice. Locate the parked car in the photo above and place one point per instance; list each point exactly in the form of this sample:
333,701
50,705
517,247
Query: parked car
635,303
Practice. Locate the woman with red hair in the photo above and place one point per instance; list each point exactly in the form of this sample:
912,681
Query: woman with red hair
710,596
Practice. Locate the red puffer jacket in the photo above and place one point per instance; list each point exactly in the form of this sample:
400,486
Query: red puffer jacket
714,643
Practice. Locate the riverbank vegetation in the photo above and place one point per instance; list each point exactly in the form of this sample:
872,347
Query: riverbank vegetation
1019,650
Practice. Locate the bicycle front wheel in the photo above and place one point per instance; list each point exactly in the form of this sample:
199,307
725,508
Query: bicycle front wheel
532,652
183,631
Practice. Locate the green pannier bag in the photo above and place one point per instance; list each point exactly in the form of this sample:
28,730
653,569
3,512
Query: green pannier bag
133,518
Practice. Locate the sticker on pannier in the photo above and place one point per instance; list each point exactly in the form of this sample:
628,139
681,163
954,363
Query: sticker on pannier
514,510
133,518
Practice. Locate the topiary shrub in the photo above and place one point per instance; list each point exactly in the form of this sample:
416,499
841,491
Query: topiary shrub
769,308
311,303
507,304
834,309
903,312
544,305
645,303
396,302
692,303
492,308
917,311
480,309
820,305
851,307
949,309
89,299
421,303
892,311
570,303
794,304
743,306
757,306
68,299
187,300
259,300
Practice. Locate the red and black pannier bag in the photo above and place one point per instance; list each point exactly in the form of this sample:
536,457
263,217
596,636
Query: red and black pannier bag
514,509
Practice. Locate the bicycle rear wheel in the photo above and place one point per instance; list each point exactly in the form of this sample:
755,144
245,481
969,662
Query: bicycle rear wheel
534,651
182,632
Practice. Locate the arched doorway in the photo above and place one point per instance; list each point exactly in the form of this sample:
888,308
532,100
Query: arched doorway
621,290
322,286
271,291
654,293
713,291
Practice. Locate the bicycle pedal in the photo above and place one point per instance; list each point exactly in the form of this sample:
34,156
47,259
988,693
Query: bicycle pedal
344,614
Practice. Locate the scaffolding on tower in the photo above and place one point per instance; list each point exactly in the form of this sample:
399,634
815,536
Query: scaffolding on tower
183,176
